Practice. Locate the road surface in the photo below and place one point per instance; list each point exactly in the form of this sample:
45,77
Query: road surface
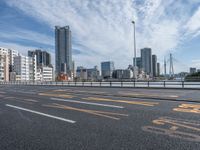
83,118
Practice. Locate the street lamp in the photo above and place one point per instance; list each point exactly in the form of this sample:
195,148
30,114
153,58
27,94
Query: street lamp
135,66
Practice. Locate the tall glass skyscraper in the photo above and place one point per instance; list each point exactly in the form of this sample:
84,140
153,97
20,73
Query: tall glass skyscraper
63,48
146,56
107,69
154,65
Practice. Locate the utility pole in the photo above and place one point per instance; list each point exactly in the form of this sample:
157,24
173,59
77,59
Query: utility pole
135,65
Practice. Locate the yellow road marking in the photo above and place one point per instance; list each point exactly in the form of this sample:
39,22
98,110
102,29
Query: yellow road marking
56,95
189,108
148,95
163,121
122,101
93,112
183,129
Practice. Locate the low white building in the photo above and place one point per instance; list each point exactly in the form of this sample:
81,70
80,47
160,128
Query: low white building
46,73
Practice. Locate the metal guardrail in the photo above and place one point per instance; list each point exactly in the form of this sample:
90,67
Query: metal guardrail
133,84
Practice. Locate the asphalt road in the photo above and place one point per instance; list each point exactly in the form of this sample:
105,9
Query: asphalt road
78,118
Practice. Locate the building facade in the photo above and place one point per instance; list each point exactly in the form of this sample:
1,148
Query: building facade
154,65
107,69
138,62
21,68
45,74
43,57
63,48
81,73
93,74
158,69
33,72
193,70
146,58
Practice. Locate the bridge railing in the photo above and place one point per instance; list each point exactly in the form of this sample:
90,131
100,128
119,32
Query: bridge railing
133,84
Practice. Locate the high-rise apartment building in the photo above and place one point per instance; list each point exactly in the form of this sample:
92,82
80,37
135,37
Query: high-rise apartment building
107,69
21,68
63,48
154,65
146,57
43,57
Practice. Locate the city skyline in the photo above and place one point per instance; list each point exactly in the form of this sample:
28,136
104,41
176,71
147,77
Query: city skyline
106,37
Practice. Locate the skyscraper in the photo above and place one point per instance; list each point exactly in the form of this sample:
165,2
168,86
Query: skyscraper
63,49
158,69
146,57
138,62
107,69
154,65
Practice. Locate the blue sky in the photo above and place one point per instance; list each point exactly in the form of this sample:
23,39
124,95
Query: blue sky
102,30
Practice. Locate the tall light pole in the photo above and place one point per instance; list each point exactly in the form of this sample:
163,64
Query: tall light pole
135,66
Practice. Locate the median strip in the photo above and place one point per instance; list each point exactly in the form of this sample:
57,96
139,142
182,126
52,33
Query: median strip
40,113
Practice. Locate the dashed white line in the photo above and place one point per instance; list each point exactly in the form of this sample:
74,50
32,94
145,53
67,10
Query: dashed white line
88,103
40,113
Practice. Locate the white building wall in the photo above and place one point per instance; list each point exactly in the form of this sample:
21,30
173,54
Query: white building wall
21,67
47,73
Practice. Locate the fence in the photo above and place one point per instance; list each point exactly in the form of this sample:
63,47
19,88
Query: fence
133,84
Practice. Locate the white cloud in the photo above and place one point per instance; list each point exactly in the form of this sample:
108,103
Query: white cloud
104,27
22,34
193,25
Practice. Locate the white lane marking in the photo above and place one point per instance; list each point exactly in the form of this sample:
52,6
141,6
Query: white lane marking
89,103
40,113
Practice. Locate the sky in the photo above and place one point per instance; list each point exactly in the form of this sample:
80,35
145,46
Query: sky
102,29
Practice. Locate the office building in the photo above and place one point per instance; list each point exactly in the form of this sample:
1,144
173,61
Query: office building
21,68
107,69
45,73
122,74
146,58
93,74
158,69
138,62
43,57
193,70
154,65
63,49
81,73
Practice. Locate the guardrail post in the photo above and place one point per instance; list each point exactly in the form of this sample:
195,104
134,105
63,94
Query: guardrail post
100,83
91,83
148,84
121,84
182,84
110,83
164,84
